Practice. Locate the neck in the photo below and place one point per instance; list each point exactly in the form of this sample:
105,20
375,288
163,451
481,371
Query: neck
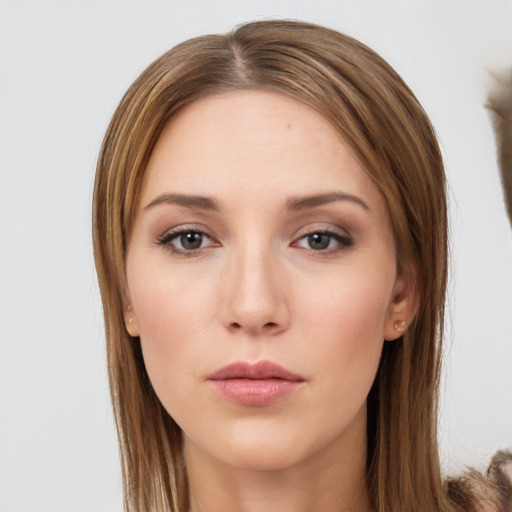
331,480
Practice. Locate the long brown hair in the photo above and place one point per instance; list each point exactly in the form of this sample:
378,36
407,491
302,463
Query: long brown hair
380,118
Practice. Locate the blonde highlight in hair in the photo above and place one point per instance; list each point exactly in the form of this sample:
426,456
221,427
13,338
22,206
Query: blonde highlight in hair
378,116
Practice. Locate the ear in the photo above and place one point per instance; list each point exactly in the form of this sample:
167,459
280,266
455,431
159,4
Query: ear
402,308
130,318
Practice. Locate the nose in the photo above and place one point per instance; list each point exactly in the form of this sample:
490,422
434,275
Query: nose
255,300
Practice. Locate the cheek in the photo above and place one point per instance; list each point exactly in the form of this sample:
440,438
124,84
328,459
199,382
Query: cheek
172,313
352,308
168,298
345,329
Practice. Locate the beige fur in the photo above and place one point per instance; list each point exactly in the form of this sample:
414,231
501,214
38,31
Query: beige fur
474,492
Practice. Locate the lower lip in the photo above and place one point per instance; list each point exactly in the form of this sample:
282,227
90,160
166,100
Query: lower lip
253,392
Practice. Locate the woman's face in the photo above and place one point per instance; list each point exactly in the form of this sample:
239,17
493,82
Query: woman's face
261,280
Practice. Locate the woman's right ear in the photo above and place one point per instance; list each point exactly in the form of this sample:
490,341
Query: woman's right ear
130,319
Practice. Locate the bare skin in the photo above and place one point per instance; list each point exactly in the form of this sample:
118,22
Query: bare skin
320,484
260,239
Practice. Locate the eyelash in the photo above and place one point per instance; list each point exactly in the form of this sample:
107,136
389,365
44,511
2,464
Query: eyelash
344,242
167,238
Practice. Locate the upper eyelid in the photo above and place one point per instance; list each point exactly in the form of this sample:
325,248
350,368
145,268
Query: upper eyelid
186,228
342,238
332,230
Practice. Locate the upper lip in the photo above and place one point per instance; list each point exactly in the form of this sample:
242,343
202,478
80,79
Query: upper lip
255,371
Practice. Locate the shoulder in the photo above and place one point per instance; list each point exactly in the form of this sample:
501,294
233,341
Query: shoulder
492,492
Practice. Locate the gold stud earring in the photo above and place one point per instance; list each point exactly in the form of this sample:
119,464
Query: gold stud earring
130,320
400,325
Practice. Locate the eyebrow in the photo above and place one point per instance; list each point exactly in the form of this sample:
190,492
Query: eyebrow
188,201
293,204
313,201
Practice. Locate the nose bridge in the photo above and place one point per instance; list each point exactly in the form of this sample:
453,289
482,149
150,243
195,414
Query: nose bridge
255,301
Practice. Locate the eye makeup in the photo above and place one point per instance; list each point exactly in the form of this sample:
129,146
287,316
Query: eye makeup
186,241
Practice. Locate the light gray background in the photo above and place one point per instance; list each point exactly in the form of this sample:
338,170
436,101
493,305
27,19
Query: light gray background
63,68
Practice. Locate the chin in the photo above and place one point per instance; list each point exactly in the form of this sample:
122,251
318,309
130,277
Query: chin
268,446
262,456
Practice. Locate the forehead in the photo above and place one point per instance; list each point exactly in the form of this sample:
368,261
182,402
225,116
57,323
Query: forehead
256,142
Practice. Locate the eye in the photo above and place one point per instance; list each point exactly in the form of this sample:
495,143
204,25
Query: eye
324,241
185,241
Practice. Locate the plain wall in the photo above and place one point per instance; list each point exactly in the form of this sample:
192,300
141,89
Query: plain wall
63,68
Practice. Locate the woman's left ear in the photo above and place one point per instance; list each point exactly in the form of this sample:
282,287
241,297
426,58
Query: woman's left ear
402,309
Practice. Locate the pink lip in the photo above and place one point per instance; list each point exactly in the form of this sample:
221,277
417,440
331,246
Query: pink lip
255,385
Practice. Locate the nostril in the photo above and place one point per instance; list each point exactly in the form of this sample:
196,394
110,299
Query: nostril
268,325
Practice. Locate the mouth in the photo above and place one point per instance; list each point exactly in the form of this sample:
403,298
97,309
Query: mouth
255,385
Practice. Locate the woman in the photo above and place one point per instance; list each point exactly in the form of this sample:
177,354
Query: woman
270,237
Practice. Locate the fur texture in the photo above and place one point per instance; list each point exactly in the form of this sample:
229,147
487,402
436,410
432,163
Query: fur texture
500,106
475,492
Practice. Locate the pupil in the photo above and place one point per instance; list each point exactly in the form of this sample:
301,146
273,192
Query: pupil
191,240
319,241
